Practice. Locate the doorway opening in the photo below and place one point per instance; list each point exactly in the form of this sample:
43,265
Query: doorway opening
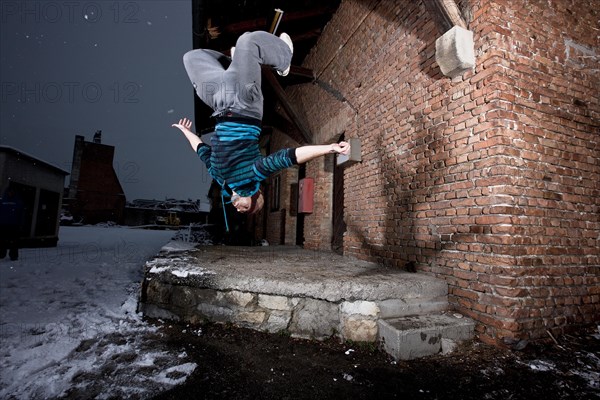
339,225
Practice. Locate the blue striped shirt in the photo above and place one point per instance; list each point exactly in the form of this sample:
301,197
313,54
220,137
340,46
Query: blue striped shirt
234,158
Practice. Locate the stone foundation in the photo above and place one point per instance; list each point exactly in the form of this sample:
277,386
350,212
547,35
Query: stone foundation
306,294
299,316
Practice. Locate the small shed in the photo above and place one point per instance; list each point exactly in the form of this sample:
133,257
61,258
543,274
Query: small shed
40,186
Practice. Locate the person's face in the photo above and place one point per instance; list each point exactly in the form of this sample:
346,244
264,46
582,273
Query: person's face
242,204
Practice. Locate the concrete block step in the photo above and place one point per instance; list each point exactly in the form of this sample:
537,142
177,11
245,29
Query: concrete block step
411,337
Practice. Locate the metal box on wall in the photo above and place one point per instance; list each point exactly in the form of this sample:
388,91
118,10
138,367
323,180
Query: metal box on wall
353,157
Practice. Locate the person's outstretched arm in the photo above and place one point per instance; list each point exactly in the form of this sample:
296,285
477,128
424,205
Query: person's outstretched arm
307,153
184,126
285,158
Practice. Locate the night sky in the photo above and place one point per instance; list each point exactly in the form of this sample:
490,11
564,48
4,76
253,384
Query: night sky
74,67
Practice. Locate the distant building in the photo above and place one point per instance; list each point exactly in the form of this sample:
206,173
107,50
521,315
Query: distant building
40,186
151,212
94,193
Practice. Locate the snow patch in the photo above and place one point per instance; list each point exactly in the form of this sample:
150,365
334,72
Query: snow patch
69,325
181,267
177,246
185,274
176,375
540,365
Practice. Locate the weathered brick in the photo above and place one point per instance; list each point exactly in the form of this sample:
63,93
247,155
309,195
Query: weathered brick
488,179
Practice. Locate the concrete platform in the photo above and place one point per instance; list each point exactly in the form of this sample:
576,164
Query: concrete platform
310,294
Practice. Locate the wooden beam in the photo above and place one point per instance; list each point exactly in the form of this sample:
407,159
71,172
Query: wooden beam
262,23
287,106
282,124
305,74
448,13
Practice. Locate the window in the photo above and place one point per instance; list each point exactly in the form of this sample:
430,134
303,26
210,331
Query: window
275,193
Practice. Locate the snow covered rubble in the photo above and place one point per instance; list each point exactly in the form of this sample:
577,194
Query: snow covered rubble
68,319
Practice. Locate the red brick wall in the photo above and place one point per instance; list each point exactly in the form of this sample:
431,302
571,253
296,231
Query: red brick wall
100,196
285,217
318,228
548,100
489,180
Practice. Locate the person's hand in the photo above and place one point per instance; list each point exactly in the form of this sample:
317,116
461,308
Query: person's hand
341,148
183,125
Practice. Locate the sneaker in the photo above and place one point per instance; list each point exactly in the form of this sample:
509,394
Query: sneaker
288,40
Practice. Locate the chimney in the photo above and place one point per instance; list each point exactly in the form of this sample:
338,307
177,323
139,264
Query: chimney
98,137
76,165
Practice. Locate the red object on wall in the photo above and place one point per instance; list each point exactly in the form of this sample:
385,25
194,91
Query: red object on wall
306,189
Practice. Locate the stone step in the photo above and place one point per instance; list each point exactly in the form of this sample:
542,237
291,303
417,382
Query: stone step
411,337
307,294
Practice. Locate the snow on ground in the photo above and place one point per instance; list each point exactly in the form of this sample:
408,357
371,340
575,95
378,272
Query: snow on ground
68,319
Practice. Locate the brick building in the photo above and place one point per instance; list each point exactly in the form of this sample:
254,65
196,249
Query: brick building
489,180
95,193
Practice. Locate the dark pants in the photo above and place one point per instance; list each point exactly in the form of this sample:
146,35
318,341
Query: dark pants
9,240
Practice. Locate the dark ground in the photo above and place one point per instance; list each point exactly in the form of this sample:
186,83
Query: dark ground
236,363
